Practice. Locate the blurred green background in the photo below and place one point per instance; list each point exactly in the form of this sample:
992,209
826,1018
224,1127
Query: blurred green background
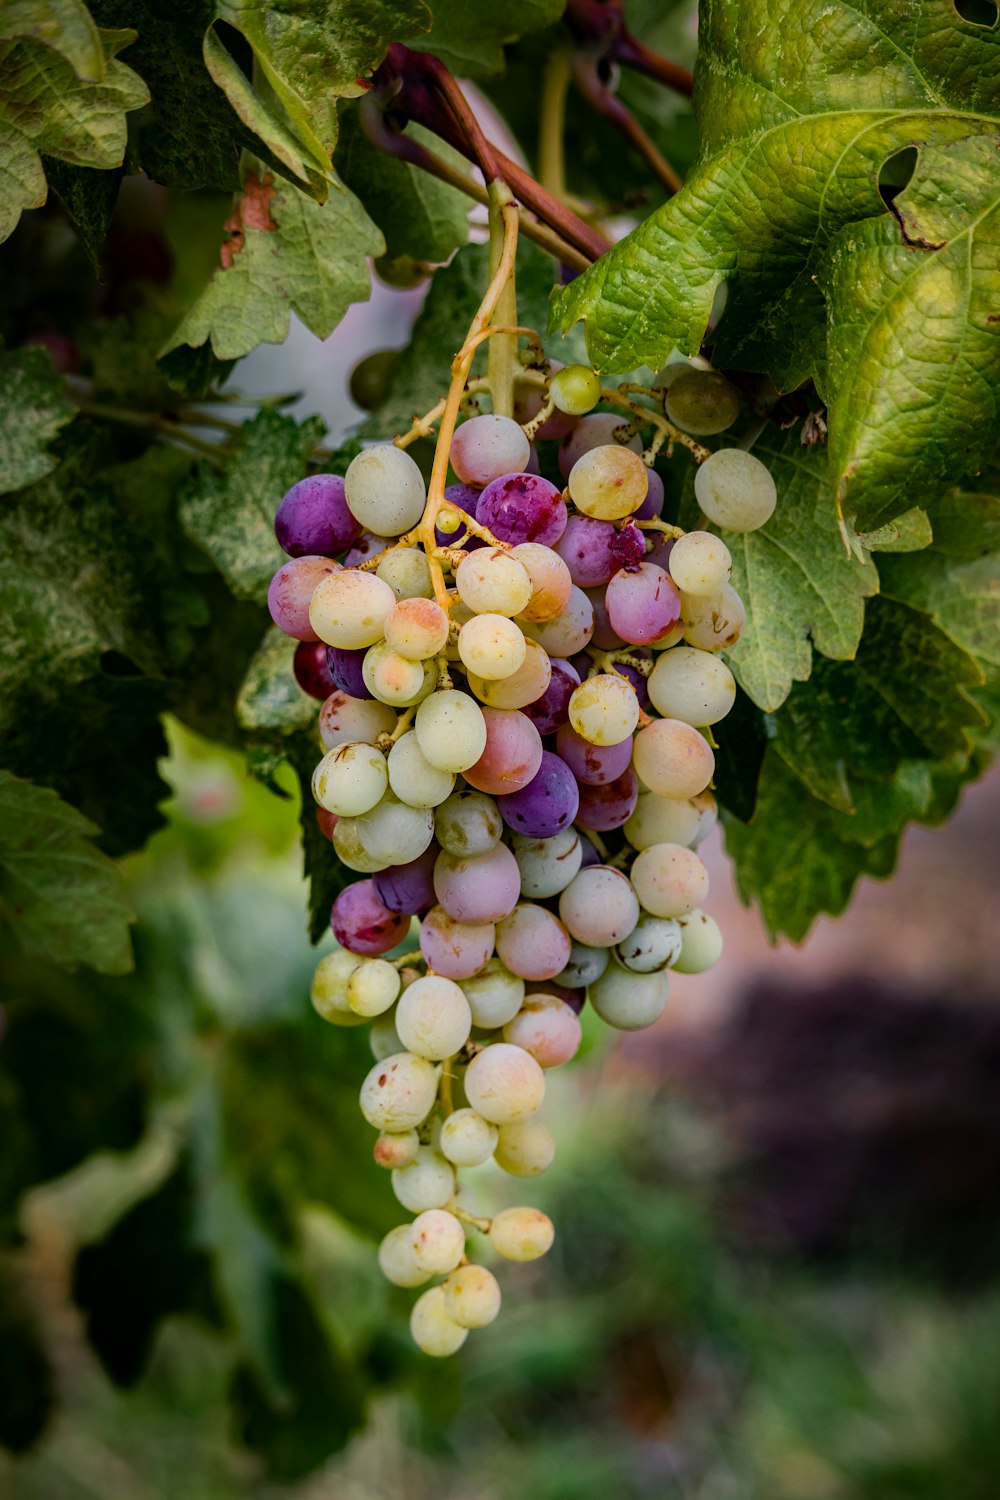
777,1214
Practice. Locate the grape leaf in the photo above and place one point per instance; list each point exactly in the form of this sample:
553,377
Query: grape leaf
326,875
470,39
270,700
286,253
61,897
909,532
69,103
33,407
794,133
306,55
231,514
417,215
802,591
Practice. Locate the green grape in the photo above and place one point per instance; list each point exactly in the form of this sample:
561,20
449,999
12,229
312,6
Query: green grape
401,271
576,389
372,377
735,490
703,402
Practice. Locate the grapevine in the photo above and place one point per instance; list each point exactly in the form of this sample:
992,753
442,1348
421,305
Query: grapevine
519,685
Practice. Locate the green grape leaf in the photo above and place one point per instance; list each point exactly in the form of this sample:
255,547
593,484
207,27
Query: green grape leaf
913,357
68,101
909,532
803,592
231,514
326,875
285,253
59,895
270,700
89,198
33,408
794,134
417,215
471,39
306,55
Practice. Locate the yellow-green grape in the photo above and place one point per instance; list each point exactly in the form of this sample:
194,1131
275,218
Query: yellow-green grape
393,679
700,562
433,1018
451,730
504,1083
396,1150
383,1038
407,572
417,628
713,623
349,609
701,943
608,483
350,850
438,1241
695,686
447,520
472,1296
350,779
735,490
669,879
702,402
663,820
490,581
396,1259
399,1092
426,1182
395,833
384,489
412,777
495,995
575,389
491,646
432,1330
604,709
521,1233
629,1001
524,1148
329,988
522,687
673,759
467,1140
372,987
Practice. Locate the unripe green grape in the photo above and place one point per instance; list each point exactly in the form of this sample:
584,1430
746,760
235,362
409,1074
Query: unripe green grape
407,572
629,1001
495,995
604,709
490,581
451,730
702,402
653,944
521,1233
395,833
371,378
701,943
432,1330
412,777
662,820
713,623
691,685
472,1296
426,1182
329,988
383,1038
467,823
350,850
524,1148
399,1092
384,490
372,988
700,563
467,1140
586,964
575,389
735,490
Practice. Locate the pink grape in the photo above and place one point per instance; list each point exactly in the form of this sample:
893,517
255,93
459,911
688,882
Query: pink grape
551,584
313,518
532,942
609,805
546,804
408,888
594,550
567,632
290,593
552,708
523,508
485,447
455,949
363,924
547,1028
477,887
512,756
643,604
605,637
593,432
312,673
593,765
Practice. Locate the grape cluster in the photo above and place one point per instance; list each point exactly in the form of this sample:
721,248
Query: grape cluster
517,722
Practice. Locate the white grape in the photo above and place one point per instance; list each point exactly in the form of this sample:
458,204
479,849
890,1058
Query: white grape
701,943
735,490
432,1330
395,832
407,572
629,1001
525,1148
567,632
397,1261
351,851
653,944
399,1092
491,646
468,822
663,820
433,1018
384,490
383,1038
504,1083
585,965
373,987
451,730
350,779
521,1233
350,608
412,777
669,879
495,995
329,988
467,1140
673,759
472,1296
547,865
604,709
344,720
700,563
599,907
694,686
426,1182
490,581
714,622
438,1241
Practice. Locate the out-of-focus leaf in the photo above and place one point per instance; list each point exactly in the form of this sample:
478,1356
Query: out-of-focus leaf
471,39
270,700
33,408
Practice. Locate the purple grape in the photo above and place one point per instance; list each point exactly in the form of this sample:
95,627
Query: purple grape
609,806
605,637
523,508
662,548
590,854
408,888
290,593
464,497
592,765
552,708
367,545
642,604
311,671
363,924
595,550
635,677
313,518
344,666
547,804
651,507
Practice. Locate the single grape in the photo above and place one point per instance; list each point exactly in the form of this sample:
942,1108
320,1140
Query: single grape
608,483
669,879
396,1259
532,942
693,686
594,431
311,670
329,989
399,1092
344,720
491,646
412,777
715,622
662,820
437,1240
605,637
701,943
653,944
568,632
456,949
407,572
478,887
451,730
427,1182
547,1028
347,670
385,489
700,563
521,1233
313,518
395,833
495,995
544,805
576,389
350,608
350,779
396,1150
504,1083
512,755
529,399
371,378
408,888
551,709
547,865
417,629
735,490
472,1296
550,579
703,402
609,806
290,593
485,447
432,1330
604,709
350,850
643,604
468,823
652,506
373,987
708,816
525,1148
392,679
593,765
368,545
361,923
673,759
585,965
522,687
594,550
599,907
629,1001
492,582
467,1140
523,508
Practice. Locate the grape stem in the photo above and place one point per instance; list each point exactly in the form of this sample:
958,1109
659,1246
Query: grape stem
618,396
483,1225
587,77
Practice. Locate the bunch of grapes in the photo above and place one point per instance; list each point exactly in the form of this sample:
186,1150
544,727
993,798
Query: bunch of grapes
518,684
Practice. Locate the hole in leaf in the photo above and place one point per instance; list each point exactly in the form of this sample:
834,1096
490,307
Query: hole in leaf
117,664
896,173
978,12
